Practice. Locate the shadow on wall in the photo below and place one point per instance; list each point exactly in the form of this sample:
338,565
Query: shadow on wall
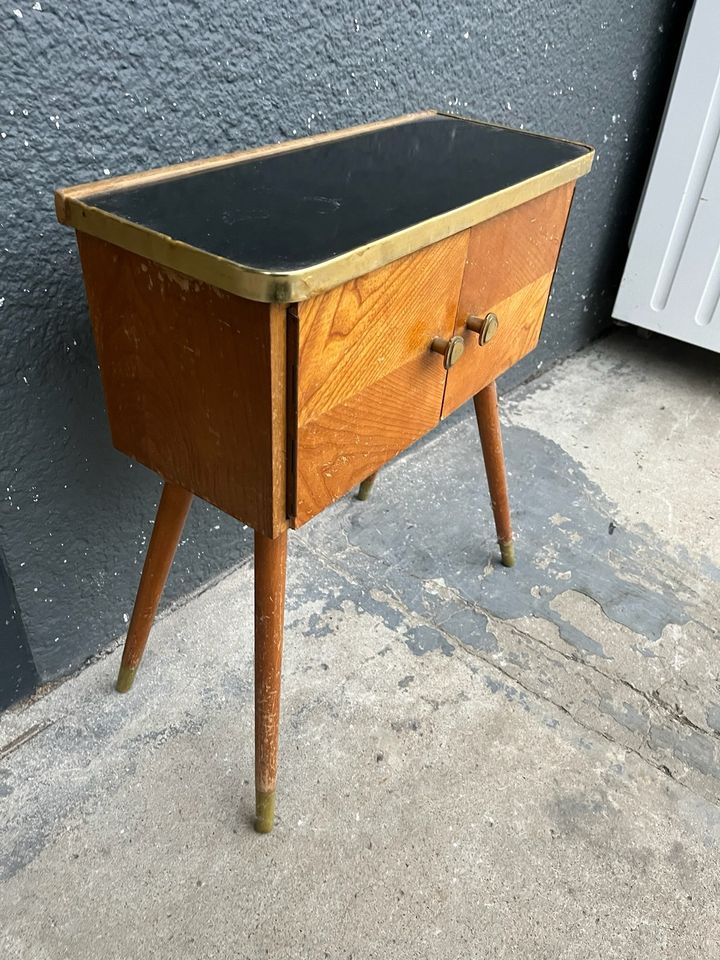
88,513
18,676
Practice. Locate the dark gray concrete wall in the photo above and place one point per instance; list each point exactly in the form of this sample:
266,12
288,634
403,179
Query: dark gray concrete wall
95,88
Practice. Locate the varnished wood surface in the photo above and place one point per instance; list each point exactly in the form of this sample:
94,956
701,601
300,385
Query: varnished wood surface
270,568
194,381
368,383
169,522
510,267
488,419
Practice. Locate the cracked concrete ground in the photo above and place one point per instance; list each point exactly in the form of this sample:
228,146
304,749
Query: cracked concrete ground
475,762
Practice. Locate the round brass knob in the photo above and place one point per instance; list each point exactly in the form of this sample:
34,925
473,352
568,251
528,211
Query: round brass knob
451,349
484,327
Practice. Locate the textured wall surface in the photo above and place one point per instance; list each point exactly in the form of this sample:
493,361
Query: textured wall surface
95,87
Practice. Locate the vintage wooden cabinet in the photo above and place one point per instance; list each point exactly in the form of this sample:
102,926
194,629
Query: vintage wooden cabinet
273,326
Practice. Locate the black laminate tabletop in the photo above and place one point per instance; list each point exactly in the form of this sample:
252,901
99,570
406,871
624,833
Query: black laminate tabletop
289,214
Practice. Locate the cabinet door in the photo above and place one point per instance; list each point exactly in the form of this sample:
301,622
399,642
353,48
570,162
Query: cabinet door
510,266
366,382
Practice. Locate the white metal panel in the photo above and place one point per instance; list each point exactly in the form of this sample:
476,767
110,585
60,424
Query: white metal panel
671,282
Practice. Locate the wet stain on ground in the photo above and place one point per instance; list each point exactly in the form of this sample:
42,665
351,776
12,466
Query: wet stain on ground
421,555
429,547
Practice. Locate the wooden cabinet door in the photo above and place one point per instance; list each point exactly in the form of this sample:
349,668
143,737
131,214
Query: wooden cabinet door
366,384
510,267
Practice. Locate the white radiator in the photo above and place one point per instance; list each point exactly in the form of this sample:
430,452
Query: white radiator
671,282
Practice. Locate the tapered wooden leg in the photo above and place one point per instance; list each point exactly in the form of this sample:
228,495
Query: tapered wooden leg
270,562
486,411
172,511
366,486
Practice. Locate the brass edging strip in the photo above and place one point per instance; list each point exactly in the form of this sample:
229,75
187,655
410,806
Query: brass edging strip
298,285
292,352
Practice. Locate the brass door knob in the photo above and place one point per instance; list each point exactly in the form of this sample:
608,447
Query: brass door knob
451,349
484,327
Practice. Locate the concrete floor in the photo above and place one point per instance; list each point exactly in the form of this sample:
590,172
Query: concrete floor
475,762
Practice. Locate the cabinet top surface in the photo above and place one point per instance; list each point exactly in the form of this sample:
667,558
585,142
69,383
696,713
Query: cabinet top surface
285,222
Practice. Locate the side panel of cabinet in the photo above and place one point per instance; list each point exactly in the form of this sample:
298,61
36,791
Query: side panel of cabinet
194,381
368,384
510,267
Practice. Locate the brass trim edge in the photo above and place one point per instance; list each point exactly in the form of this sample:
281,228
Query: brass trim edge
297,285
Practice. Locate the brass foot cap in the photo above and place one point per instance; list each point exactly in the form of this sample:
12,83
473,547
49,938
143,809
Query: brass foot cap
365,488
264,811
507,554
125,679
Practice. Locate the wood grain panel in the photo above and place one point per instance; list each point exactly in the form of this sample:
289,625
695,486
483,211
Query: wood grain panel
510,267
513,249
347,443
368,384
194,381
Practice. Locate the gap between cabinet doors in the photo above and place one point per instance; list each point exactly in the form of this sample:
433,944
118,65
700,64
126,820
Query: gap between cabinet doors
362,381
510,266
